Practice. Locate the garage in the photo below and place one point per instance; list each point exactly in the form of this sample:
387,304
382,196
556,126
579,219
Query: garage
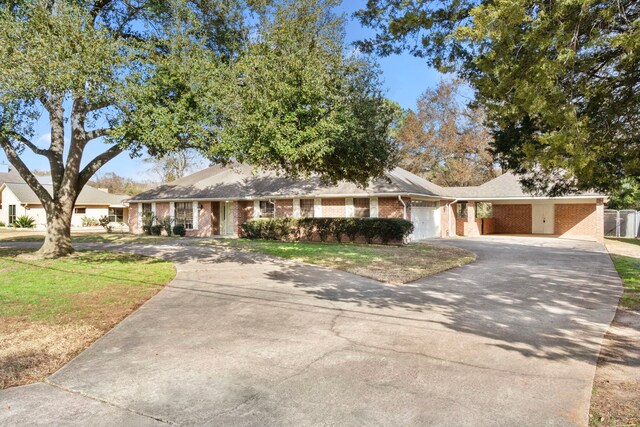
425,216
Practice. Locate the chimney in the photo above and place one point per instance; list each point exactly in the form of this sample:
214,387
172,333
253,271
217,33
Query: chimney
105,189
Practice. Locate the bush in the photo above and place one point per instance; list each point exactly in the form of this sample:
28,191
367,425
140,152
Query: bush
166,223
105,222
148,219
89,221
24,222
383,229
179,230
155,230
2,224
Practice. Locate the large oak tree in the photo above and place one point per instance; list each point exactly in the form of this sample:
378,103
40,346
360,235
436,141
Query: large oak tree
264,82
560,80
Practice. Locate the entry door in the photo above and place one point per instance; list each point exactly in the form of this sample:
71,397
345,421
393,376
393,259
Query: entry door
226,218
426,222
543,218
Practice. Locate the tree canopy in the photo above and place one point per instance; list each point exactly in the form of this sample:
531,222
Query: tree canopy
264,82
560,80
445,141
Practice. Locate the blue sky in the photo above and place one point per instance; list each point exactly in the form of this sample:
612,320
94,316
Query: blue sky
404,79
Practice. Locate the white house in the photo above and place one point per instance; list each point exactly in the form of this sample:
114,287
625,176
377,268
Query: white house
17,199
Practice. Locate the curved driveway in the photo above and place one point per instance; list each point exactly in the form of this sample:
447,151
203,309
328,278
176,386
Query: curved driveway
244,339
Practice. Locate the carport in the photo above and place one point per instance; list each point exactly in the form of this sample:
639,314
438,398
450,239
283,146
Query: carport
502,207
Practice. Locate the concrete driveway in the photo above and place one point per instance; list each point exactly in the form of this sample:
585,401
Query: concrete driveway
241,339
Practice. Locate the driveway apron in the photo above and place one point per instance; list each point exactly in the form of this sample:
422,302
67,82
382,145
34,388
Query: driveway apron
245,339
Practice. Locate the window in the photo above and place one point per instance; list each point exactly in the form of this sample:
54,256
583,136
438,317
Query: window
116,214
267,209
307,207
12,214
80,211
361,208
184,215
147,209
461,210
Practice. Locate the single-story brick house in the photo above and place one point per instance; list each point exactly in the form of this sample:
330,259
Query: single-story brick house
218,200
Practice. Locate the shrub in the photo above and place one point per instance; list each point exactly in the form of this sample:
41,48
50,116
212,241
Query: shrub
2,224
89,221
148,219
105,222
166,224
24,222
179,230
155,230
383,229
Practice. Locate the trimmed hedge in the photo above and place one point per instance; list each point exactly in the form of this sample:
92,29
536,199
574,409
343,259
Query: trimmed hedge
384,230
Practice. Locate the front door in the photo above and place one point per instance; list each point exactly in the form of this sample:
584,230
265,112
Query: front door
543,218
226,218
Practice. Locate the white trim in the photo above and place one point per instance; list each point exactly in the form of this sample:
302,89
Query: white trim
140,215
373,207
296,208
348,207
195,210
256,208
172,210
317,208
153,208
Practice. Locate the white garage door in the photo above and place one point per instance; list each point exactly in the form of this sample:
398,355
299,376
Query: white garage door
426,219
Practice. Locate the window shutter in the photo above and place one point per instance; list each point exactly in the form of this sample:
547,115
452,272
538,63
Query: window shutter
256,208
296,208
373,207
153,208
140,215
348,207
317,208
172,210
195,215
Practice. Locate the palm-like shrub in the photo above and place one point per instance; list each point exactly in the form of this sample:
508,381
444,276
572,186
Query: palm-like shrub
24,222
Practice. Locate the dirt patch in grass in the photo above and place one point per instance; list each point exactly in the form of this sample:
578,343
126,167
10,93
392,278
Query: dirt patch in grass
615,399
51,310
388,264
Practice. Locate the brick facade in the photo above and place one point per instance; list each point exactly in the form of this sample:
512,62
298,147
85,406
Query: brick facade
333,208
204,221
576,219
284,208
162,210
215,218
390,207
512,219
132,221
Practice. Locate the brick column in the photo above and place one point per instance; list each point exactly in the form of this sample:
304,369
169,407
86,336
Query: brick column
471,226
600,220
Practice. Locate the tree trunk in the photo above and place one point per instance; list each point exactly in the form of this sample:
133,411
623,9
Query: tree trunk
57,242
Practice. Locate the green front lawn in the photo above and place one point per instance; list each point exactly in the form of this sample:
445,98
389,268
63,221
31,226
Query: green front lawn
50,310
629,271
389,264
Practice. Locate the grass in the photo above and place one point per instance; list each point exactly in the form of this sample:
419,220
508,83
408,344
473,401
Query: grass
630,241
50,310
629,271
389,264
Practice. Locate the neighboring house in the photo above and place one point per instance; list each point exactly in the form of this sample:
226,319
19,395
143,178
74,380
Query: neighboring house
217,200
17,199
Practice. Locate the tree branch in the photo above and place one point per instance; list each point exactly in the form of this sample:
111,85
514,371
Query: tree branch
97,133
95,164
31,145
25,173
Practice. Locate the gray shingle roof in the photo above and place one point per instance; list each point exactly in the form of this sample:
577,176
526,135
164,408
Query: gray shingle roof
505,186
88,195
241,181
